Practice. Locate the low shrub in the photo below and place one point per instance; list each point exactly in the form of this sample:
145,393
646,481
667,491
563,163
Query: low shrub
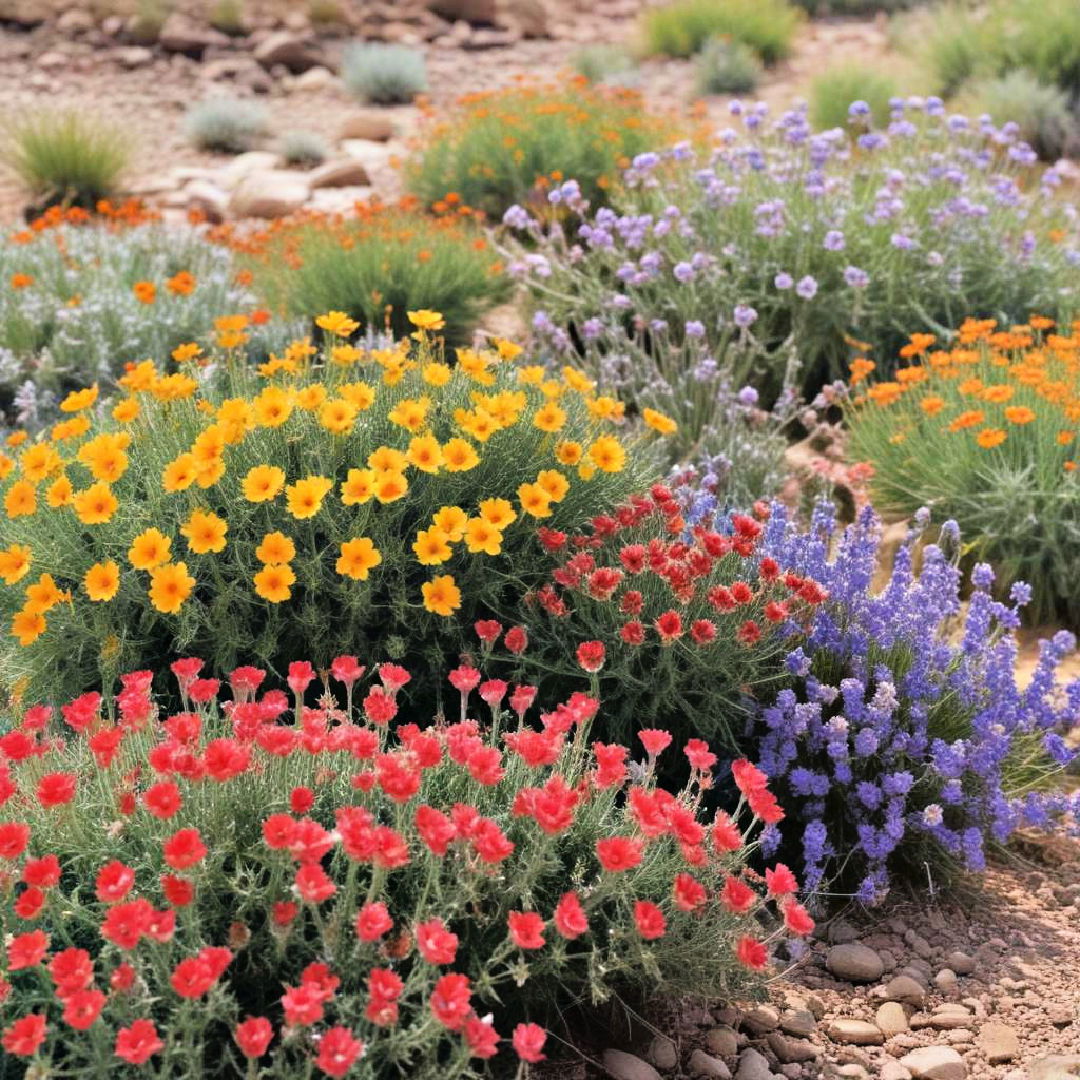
225,125
379,263
323,13
226,509
65,158
227,17
148,19
683,27
773,255
513,146
985,433
849,94
303,148
380,74
232,890
726,67
605,64
905,748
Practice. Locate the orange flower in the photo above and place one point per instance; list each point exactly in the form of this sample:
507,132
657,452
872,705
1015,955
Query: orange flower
988,438
21,281
1019,414
181,284
145,291
967,419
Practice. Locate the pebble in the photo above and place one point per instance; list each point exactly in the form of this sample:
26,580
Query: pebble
960,962
999,1043
753,1066
891,1018
798,1022
761,1019
857,1032
893,1070
919,945
906,989
622,1066
946,979
789,1051
663,1052
1055,1067
722,1040
935,1063
702,1064
855,963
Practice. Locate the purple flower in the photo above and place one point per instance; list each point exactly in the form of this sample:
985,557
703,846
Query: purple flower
858,108
745,316
806,288
695,329
783,280
834,240
856,278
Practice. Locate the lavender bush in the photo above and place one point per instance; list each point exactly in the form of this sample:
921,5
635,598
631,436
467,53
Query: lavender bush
770,256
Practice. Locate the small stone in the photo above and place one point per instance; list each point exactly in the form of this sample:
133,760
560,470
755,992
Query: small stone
840,932
906,989
893,1070
856,1032
999,1043
132,57
1055,1067
788,1050
622,1066
946,980
296,52
891,1018
1060,1015
855,963
663,1052
798,1022
315,80
54,60
935,1063
753,1066
180,34
919,945
760,1019
960,962
702,1064
366,125
854,1070
271,194
722,1040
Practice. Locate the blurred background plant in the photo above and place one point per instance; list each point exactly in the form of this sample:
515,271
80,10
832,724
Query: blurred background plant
724,66
610,64
304,149
381,74
225,125
835,91
682,28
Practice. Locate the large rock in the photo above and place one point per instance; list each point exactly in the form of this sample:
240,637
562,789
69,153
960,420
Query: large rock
622,1066
297,52
372,126
705,1065
854,963
1055,1067
349,172
181,34
904,988
208,199
891,1018
272,194
528,17
999,1043
753,1066
935,1063
856,1032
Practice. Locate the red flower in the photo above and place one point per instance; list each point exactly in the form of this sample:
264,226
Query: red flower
125,924
82,1008
699,755
529,1041
184,849
725,834
379,706
283,912
178,891
436,830
186,669
488,631
278,831
301,676
516,640
114,882
30,902
27,950
450,1001
769,569
138,1043
71,969
570,918
751,953
747,777
649,920
763,805
703,631
464,679
775,611
163,799
338,1049
203,690
781,881
384,989
43,872
192,978
741,593
669,626
56,789
253,1036
522,698
301,800
591,655
372,921
632,602
737,896
437,945
797,919
123,978
749,632
689,893
481,1037
618,853
393,677
24,1036
526,929
655,740
302,1005
632,632
347,669
314,884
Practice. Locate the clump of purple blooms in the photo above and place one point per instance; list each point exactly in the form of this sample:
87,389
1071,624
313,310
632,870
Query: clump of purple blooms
904,737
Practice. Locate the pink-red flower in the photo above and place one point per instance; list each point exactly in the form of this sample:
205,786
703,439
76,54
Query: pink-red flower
526,929
338,1050
618,853
529,1042
253,1036
649,920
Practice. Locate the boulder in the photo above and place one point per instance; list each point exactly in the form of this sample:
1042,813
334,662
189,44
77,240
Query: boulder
705,1065
999,1043
181,34
854,963
274,193
373,126
935,1063
623,1066
349,172
297,52
856,1032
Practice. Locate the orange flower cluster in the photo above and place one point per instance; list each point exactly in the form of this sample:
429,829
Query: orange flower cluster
126,214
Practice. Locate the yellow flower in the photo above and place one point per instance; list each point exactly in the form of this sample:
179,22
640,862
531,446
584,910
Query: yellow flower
59,493
235,419
344,355
425,453
338,416
387,459
1019,414
451,519
478,423
15,563
568,453
1063,438
7,465
441,595
274,582
102,581
69,429
482,536
432,546
78,400
205,532
554,483
263,483
28,626
533,375
606,408
410,413
39,461
534,500
607,454
20,499
209,444
576,380
170,586
17,438
360,394
659,422
180,473
272,407
337,323
508,350
390,485
498,512
550,417
311,397
304,498
459,455
426,320
276,547
149,549
187,351
988,438
43,595
436,374
358,556
208,473
126,410
105,456
175,387
358,487
140,378
95,505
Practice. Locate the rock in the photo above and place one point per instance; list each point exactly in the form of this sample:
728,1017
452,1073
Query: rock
297,52
316,80
919,945
946,980
788,1051
338,200
722,1040
180,34
960,962
208,199
753,1066
663,1052
856,1032
367,125
75,21
999,1043
1055,1067
530,17
893,1070
270,194
702,1064
891,1018
935,1063
799,1022
622,1066
760,1019
906,989
1060,1015
53,60
349,172
855,963
854,1070
132,57
840,932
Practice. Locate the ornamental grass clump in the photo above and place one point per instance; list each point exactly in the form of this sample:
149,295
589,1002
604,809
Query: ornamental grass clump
511,146
769,256
904,748
277,884
983,429
381,74
227,508
684,27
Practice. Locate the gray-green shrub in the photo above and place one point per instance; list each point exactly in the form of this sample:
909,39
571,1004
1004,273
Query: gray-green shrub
379,74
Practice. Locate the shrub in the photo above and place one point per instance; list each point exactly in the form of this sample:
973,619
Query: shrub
1041,113
770,256
227,509
727,67
65,158
605,64
322,13
511,146
145,25
985,433
304,148
227,16
225,125
380,263
384,74
398,888
903,746
82,298
818,8
683,27
843,95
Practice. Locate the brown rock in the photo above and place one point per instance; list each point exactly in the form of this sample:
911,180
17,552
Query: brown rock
788,1051
935,1063
999,1043
297,52
705,1065
180,34
367,125
623,1066
271,194
891,1018
722,1040
349,172
855,963
906,989
856,1032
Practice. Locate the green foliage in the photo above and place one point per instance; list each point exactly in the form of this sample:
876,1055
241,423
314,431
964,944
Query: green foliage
820,8
605,64
683,27
380,74
726,67
225,125
322,13
227,16
303,148
66,157
834,91
149,18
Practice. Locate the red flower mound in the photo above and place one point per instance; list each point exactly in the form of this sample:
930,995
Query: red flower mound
395,881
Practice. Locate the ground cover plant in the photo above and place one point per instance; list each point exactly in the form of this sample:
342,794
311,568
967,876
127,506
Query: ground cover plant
222,507
226,125
257,885
982,428
376,264
381,74
684,27
775,254
510,146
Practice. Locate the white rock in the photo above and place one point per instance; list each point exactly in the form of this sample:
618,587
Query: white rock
271,194
314,80
935,1063
892,1070
891,1018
